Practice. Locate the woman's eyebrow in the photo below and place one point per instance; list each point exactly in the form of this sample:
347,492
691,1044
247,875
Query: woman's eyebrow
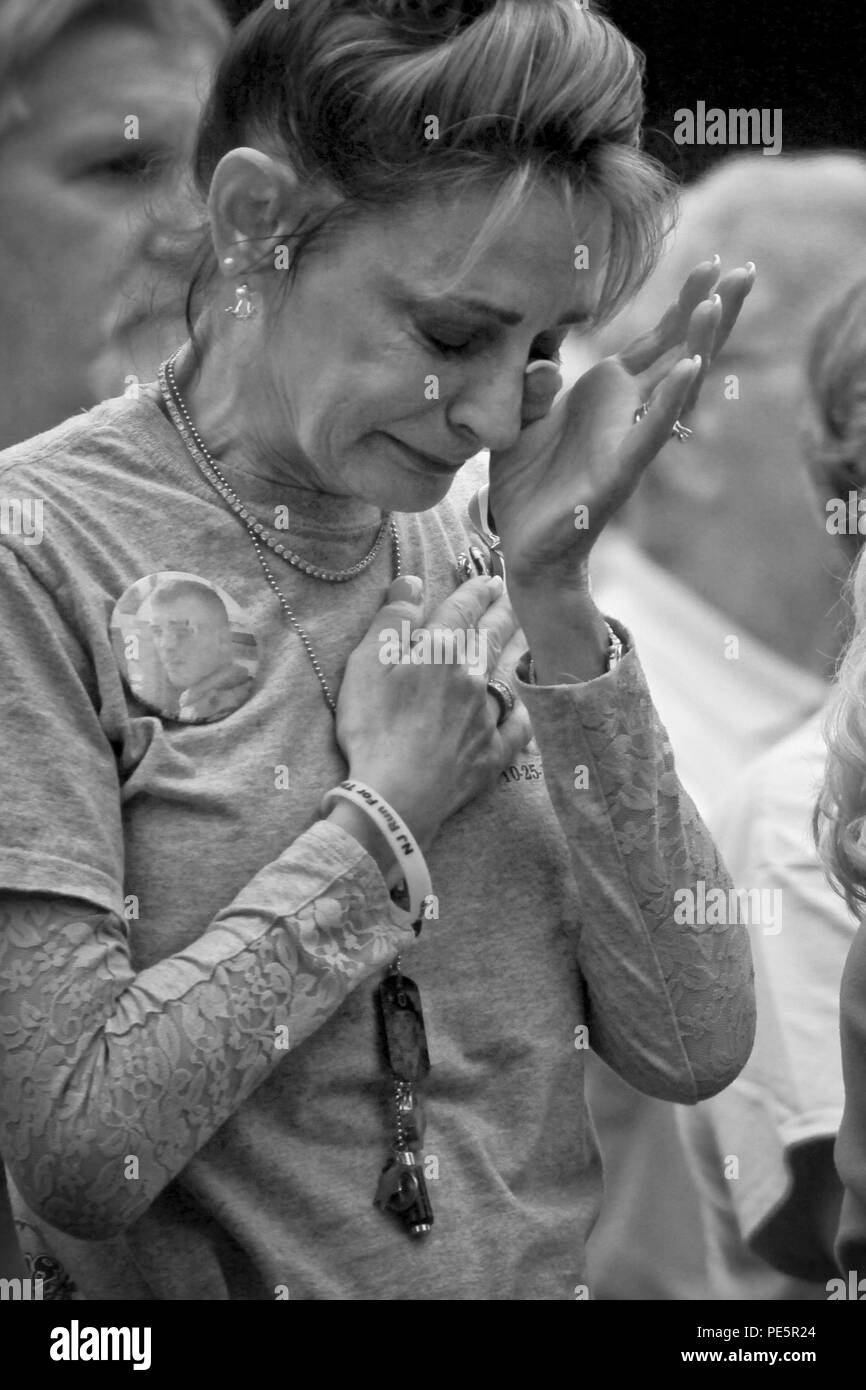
576,316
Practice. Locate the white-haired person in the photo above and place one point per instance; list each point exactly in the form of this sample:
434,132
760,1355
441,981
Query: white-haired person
719,544
296,1001
721,536
762,1151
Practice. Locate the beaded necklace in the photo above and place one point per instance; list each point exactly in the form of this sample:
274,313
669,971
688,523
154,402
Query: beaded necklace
258,532
402,1189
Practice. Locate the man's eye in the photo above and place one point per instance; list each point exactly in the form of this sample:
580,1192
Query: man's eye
128,164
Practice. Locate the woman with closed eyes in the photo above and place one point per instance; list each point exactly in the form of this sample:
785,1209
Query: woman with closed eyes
296,1001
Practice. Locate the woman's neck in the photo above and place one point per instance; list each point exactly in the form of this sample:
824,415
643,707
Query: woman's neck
225,401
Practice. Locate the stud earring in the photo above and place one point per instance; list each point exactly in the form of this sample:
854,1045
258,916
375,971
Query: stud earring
229,262
243,307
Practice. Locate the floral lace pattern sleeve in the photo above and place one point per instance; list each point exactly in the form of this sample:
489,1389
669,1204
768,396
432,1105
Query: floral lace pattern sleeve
671,1002
98,1064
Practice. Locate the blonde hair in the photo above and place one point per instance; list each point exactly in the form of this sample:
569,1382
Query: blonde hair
523,91
836,452
840,815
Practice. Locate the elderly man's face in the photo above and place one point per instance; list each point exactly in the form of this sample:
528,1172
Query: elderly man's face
80,265
191,640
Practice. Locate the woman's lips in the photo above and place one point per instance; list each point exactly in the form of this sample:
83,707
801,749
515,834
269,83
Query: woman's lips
427,462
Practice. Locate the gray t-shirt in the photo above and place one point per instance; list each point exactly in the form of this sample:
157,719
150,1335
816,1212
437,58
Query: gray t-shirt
240,917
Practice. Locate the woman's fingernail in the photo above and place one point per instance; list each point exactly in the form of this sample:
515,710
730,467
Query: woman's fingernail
495,584
717,260
715,299
751,267
408,588
697,360
534,366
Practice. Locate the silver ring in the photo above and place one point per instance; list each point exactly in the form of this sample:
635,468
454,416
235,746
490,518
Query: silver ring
680,432
504,697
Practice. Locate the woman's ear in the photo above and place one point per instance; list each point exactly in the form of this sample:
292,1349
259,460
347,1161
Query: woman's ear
252,202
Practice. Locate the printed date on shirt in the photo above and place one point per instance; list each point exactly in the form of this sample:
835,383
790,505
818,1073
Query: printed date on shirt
522,772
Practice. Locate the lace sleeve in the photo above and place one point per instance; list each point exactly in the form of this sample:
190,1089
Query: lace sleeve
671,1003
111,1081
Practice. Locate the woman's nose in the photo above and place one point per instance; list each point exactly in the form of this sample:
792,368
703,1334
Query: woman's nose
487,410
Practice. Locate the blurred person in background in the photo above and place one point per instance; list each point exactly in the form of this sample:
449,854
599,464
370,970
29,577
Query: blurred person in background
771,1217
99,105
720,538
719,549
839,825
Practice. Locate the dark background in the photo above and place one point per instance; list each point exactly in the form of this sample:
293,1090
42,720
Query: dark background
808,59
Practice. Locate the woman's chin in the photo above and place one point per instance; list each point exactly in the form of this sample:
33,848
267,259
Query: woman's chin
414,497
398,479
401,491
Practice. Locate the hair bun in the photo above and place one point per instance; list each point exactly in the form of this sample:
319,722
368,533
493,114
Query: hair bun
432,19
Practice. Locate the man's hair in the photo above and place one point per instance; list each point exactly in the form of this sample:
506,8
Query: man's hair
28,28
181,590
524,93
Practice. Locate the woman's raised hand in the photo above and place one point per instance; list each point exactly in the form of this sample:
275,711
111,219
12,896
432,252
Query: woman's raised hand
570,471
421,730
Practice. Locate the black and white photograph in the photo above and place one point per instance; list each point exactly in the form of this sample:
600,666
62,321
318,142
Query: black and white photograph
432,671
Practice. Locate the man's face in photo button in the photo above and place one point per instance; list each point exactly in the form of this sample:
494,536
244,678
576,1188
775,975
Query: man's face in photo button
185,649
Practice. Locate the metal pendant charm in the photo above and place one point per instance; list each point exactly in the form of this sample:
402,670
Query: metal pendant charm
464,568
405,1035
482,522
244,306
411,1118
473,564
403,1191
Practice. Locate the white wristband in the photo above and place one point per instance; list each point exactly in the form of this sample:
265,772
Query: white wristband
406,849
